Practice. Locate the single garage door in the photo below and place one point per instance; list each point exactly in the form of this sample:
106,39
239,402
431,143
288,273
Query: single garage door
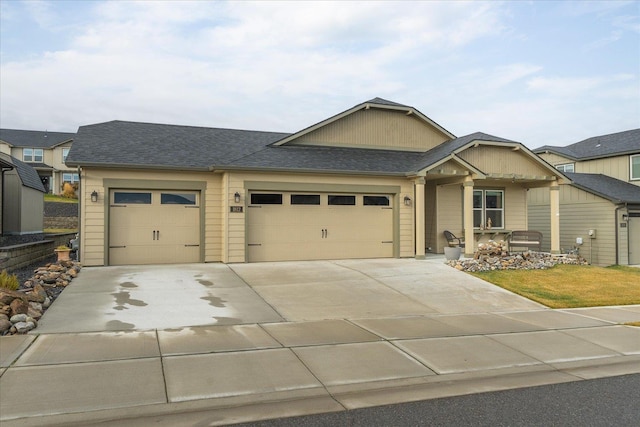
154,227
283,226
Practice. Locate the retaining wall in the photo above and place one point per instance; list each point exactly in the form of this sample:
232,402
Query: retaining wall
17,256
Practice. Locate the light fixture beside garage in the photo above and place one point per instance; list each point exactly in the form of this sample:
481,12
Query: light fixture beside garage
236,197
94,196
407,201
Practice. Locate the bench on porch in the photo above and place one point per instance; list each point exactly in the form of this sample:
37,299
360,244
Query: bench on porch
525,239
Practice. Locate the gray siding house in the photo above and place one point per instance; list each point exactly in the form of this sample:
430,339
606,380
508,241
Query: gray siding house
600,207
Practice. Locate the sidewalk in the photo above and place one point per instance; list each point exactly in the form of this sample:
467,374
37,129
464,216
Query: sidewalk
216,375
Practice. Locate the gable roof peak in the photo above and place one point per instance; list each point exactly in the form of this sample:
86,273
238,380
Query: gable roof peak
382,101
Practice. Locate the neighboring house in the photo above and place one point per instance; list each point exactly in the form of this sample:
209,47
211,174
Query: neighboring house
603,196
378,180
45,151
22,197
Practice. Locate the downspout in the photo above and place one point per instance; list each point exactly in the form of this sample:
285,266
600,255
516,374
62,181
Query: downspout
79,215
2,203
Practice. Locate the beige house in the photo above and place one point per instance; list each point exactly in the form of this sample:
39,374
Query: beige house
378,180
44,151
600,206
22,206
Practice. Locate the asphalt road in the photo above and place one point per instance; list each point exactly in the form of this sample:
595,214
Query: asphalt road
613,401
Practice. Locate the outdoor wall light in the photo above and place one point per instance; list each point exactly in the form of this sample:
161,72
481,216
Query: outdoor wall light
407,201
625,217
236,197
94,196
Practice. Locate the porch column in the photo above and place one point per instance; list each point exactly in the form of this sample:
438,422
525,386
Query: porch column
419,206
554,202
467,208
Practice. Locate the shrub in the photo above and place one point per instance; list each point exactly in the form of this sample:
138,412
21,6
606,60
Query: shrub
69,190
9,281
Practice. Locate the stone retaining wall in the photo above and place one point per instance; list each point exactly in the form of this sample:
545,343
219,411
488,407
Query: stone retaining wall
61,222
16,256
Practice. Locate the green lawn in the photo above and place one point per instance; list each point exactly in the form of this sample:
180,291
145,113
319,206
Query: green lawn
59,199
571,286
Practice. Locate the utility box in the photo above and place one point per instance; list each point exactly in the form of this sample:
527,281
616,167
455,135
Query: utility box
592,234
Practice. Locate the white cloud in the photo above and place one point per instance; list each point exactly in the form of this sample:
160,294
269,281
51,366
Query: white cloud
283,66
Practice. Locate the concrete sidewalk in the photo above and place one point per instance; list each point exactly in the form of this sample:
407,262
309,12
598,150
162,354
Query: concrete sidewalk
283,339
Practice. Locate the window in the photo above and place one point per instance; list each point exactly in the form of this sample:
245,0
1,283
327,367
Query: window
488,205
342,200
33,155
567,167
177,199
70,177
132,198
635,166
305,199
266,199
375,200
65,153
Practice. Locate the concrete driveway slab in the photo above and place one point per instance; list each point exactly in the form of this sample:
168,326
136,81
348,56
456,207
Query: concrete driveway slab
553,319
151,297
485,323
346,299
297,334
609,314
623,339
464,354
553,346
409,327
213,339
11,347
440,287
90,347
233,374
80,387
356,363
293,273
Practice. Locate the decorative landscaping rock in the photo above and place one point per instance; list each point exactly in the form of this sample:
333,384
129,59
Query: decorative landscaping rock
494,256
20,310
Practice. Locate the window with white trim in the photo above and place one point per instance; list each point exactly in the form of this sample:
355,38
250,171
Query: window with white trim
65,153
635,167
70,177
32,155
567,167
488,207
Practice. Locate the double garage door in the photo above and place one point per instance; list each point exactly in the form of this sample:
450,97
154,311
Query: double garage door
287,226
154,227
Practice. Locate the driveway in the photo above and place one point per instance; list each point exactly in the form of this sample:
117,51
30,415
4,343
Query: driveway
174,296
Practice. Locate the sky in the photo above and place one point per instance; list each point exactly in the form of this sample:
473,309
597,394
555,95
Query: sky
538,72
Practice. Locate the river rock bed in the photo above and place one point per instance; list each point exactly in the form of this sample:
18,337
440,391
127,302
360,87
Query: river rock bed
20,310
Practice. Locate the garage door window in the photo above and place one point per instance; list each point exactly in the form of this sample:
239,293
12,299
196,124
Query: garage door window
177,199
132,198
375,200
266,199
342,200
305,199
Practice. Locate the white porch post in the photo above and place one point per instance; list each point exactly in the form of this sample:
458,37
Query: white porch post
419,213
467,208
554,202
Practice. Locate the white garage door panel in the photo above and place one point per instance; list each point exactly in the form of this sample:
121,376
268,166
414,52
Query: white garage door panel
308,232
154,232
